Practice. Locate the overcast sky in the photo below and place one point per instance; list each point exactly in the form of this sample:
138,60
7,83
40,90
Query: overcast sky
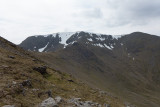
22,18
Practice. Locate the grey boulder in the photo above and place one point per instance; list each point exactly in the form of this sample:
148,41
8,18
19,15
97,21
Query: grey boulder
50,102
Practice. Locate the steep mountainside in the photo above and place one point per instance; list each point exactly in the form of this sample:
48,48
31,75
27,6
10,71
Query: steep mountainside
128,65
25,81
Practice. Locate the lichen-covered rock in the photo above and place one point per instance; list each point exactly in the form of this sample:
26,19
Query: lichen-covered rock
58,99
50,102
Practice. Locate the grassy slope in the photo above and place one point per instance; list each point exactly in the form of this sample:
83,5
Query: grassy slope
15,71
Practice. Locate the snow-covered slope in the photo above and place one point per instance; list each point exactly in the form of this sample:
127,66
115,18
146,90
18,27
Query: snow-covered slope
64,36
56,41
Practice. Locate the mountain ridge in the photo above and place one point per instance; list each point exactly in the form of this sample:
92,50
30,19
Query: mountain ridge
56,41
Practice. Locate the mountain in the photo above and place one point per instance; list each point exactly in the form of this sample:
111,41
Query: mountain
127,66
27,81
58,41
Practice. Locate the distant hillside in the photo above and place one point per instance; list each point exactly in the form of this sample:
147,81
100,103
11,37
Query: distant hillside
128,65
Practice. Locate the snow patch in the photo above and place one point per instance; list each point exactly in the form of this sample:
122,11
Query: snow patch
102,39
108,47
117,36
87,42
111,46
90,39
129,55
73,42
42,49
64,36
79,37
104,46
133,58
98,44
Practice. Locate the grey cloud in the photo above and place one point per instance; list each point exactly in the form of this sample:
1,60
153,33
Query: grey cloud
135,12
94,13
145,9
30,17
90,13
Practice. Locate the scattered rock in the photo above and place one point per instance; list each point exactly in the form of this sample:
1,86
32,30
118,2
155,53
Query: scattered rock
41,70
4,66
40,94
24,92
78,103
74,89
49,93
127,104
14,83
8,106
12,57
27,83
86,104
74,100
50,102
53,85
1,94
8,97
58,99
107,105
102,92
34,60
35,90
70,80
